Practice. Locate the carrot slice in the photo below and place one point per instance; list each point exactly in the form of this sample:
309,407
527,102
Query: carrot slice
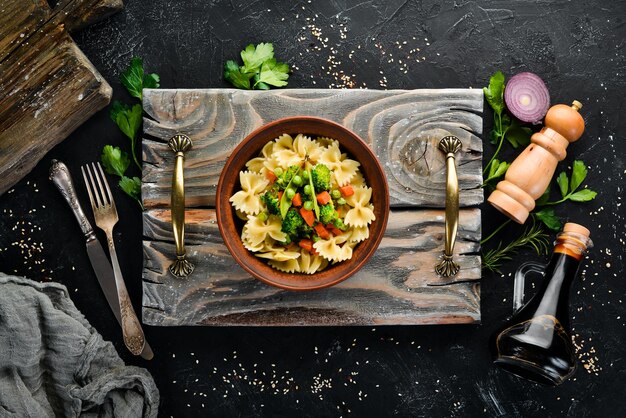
271,176
323,198
308,216
332,228
306,244
347,190
297,200
321,231
280,194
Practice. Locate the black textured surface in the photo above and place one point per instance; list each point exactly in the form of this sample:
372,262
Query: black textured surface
577,47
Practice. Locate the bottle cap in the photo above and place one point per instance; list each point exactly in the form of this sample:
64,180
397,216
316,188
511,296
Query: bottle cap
576,228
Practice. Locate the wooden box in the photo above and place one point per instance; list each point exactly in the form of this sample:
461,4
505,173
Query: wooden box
398,285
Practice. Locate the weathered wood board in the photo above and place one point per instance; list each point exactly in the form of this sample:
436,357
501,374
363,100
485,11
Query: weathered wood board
47,86
398,286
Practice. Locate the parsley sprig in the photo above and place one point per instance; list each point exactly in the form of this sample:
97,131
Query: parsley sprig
128,118
260,70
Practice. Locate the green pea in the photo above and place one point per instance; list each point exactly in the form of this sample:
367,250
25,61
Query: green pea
290,193
341,201
278,171
305,175
308,205
263,216
307,189
297,180
336,194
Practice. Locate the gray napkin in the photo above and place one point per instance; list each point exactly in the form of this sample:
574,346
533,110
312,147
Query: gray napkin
54,363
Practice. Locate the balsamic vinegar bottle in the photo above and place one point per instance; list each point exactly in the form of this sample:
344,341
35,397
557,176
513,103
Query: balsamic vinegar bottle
536,343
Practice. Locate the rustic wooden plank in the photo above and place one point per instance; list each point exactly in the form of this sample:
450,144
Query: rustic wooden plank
393,288
49,86
402,126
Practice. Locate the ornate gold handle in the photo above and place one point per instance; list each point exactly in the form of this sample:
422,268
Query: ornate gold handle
449,145
181,267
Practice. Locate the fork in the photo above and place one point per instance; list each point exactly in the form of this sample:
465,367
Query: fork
105,214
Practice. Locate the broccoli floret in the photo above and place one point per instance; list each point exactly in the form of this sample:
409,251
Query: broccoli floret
285,178
328,213
305,231
339,224
292,222
321,177
270,198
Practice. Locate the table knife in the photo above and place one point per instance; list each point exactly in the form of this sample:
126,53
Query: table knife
60,176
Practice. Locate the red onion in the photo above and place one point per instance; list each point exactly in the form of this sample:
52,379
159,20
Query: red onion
527,97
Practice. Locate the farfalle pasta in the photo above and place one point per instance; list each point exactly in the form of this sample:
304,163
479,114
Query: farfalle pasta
305,204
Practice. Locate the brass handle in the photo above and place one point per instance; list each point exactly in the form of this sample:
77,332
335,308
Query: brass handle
447,267
181,267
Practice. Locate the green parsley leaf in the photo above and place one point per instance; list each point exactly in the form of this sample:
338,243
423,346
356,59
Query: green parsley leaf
579,173
274,73
253,58
114,160
583,195
134,79
549,218
127,119
563,181
132,187
518,136
494,93
233,74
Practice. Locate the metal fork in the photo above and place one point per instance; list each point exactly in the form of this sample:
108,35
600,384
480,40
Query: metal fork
106,217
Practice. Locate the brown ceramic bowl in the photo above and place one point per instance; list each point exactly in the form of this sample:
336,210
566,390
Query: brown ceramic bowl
230,225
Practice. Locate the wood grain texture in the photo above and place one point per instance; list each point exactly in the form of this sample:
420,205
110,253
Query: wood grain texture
402,127
48,85
395,287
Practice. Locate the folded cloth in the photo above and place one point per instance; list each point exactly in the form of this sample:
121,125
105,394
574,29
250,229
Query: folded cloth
54,363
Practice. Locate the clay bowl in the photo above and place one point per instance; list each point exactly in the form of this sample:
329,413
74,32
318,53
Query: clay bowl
230,225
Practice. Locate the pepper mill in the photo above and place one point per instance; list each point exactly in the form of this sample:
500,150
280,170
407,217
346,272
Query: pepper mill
531,172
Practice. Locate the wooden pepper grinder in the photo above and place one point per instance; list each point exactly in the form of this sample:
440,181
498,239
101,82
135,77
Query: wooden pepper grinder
531,172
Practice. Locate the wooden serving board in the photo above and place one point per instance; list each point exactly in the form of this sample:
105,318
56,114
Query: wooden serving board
48,87
397,286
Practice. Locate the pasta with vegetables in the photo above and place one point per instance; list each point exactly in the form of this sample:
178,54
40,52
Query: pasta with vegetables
305,204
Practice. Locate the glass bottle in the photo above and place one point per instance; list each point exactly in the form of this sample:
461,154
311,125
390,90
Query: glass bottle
536,343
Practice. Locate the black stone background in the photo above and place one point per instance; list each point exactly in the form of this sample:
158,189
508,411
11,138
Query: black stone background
576,46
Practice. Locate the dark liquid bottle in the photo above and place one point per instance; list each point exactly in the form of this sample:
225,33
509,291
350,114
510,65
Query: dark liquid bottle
536,343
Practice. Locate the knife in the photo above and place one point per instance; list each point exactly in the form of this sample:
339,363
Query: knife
60,176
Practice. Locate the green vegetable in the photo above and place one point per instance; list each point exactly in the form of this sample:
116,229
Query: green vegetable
335,194
341,201
305,231
311,193
308,205
134,79
307,188
568,187
549,218
259,66
270,198
128,119
339,224
263,216
278,171
285,200
305,176
497,169
132,187
233,74
292,222
321,178
290,192
328,213
297,180
504,126
114,160
532,237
